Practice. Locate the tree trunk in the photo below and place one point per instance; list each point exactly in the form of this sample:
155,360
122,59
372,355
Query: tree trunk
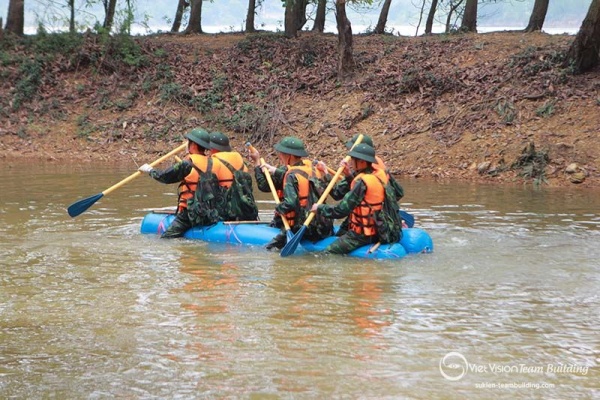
584,53
469,21
109,14
420,17
195,22
15,19
181,6
72,16
250,16
290,19
429,22
319,25
300,13
453,8
383,17
538,16
346,63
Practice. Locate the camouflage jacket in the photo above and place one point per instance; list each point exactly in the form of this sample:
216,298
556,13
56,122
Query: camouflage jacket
291,201
173,174
277,177
351,200
343,187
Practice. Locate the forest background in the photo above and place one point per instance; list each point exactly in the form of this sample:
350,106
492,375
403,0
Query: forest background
229,15
497,107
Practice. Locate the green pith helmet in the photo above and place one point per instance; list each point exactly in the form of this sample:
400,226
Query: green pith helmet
219,142
363,152
366,140
199,136
291,145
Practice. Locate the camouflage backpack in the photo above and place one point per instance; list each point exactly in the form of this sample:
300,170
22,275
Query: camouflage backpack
387,220
202,209
239,204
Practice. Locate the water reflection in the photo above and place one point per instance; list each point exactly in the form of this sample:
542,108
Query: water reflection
92,309
370,313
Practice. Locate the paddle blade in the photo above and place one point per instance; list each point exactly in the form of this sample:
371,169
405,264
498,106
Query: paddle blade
408,218
289,234
292,244
80,206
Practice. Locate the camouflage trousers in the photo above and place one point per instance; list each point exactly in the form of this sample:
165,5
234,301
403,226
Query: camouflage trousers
280,240
350,241
179,226
276,222
343,227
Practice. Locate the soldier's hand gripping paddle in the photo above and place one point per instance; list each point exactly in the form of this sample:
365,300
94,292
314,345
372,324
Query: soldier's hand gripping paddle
81,205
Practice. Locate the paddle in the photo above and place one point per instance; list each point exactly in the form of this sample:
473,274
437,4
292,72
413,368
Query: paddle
245,222
292,244
408,218
286,225
330,170
374,247
80,206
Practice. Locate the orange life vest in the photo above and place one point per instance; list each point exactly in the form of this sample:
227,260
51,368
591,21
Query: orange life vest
362,219
188,186
279,194
306,163
280,189
224,175
302,173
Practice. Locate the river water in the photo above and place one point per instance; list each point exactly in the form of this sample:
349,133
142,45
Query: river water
506,306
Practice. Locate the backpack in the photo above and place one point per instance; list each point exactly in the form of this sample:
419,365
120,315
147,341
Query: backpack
397,189
387,220
238,200
202,209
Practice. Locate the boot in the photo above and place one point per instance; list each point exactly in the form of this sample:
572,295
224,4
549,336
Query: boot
278,242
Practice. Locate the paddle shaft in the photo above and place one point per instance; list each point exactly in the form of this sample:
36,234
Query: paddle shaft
138,173
330,170
286,224
374,247
245,222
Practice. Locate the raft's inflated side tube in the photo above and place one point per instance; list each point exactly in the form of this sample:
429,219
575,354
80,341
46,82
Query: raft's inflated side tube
414,240
395,250
252,234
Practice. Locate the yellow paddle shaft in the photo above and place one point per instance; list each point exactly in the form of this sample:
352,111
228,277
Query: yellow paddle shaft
374,247
286,224
138,173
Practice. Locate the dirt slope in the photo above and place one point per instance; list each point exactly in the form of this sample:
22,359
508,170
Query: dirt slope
489,107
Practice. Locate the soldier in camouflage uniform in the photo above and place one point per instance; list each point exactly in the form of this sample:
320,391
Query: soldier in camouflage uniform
343,185
186,172
295,192
365,196
237,199
277,174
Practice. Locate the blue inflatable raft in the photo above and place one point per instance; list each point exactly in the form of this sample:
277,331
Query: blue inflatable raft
414,240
